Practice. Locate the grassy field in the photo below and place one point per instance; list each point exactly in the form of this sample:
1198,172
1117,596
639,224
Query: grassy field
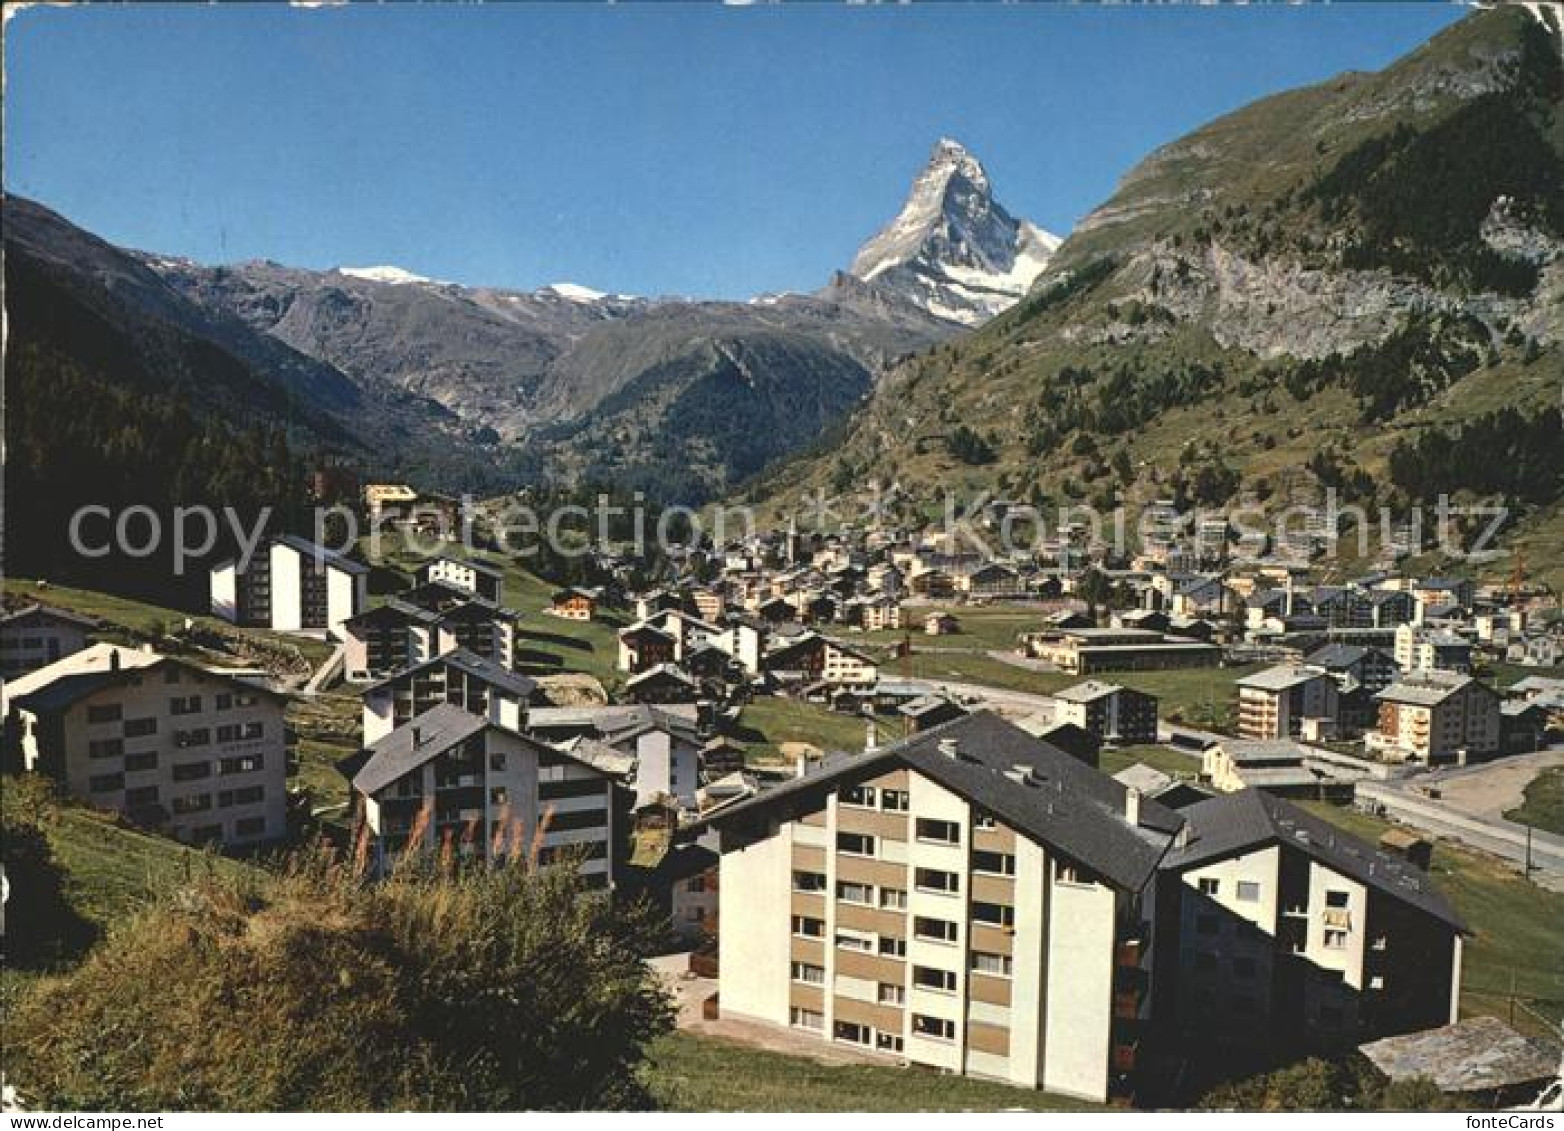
1157,757
983,627
693,1073
1515,943
768,722
1544,806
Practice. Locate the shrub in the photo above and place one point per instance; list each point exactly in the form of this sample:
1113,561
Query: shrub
486,989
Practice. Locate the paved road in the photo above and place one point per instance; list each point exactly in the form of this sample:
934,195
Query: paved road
1006,702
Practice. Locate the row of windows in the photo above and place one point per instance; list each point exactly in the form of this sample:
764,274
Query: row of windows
868,797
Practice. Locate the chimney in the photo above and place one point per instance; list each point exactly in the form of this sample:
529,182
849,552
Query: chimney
1132,806
418,737
1181,838
949,748
871,738
800,765
114,659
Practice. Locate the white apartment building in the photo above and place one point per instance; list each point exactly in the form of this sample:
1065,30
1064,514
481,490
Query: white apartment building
290,585
1278,924
968,899
1436,716
450,777
194,752
483,581
1275,702
422,623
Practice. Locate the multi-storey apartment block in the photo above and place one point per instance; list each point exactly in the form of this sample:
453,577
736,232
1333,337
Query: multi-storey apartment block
290,585
35,636
1275,702
1108,711
199,753
453,778
422,623
1436,716
969,899
462,678
1272,922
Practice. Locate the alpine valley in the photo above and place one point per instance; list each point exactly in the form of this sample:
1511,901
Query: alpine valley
1357,285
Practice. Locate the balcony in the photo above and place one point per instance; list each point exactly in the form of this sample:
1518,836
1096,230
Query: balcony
1124,1055
1126,1005
1129,952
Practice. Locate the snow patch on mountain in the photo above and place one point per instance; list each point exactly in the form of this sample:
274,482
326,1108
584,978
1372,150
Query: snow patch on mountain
385,274
953,249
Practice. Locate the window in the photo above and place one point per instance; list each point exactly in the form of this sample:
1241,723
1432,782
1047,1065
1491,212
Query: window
1336,899
1248,891
852,1032
932,879
1381,942
888,1042
225,701
893,899
184,705
999,965
894,800
939,832
249,795
254,730
1209,886
893,947
809,881
855,940
194,803
805,1019
140,728
1070,874
855,893
1335,940
934,930
228,732
808,972
245,764
106,783
984,821
928,978
199,736
994,914
499,795
855,844
994,863
808,928
144,761
106,713
861,796
192,771
891,994
935,1028
105,747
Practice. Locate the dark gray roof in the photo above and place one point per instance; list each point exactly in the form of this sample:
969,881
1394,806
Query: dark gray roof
1336,656
396,754
39,610
329,557
62,693
473,664
1062,802
1248,819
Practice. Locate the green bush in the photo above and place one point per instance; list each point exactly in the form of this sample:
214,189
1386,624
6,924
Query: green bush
482,990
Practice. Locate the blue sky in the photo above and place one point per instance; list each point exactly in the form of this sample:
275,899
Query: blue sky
653,150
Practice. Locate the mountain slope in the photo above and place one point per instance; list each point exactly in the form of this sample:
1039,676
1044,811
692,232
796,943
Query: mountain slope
1269,306
953,250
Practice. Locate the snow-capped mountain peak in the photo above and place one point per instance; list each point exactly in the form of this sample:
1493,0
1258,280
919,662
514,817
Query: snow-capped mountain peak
384,274
953,249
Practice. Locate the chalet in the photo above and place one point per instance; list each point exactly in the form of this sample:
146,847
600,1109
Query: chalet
929,711
881,615
643,646
812,658
665,752
574,604
932,585
992,580
664,683
35,636
477,578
